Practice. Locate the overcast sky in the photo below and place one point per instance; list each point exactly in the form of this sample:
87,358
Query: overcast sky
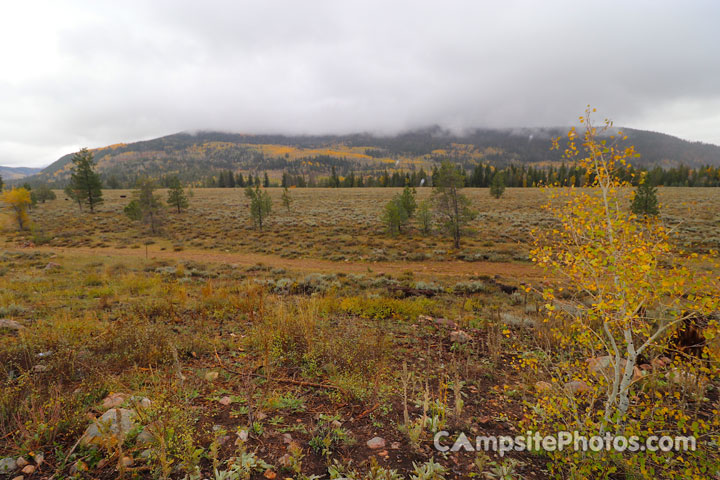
92,73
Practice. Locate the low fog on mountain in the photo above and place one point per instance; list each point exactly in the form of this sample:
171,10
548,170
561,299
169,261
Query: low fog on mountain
88,73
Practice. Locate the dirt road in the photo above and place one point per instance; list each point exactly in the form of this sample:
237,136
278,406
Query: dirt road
455,268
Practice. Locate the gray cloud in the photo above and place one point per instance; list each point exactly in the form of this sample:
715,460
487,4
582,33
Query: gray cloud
90,73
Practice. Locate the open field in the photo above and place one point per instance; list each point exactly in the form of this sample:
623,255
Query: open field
344,225
289,349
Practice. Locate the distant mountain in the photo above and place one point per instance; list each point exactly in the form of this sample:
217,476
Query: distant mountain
15,173
196,156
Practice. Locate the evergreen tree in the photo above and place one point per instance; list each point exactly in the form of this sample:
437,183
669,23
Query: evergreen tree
286,200
266,180
43,193
452,206
645,202
240,181
424,217
146,205
407,198
497,186
85,181
260,205
176,195
394,215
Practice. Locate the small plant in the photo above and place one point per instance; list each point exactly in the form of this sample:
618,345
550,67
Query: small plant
429,470
328,435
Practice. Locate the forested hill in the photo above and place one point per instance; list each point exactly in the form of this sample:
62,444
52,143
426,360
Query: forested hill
195,156
14,173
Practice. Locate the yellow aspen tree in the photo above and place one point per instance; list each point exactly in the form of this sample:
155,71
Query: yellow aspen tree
621,293
18,200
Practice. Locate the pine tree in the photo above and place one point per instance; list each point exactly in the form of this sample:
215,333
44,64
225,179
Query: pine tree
85,181
645,202
407,198
266,180
395,216
286,200
146,205
176,195
451,206
260,205
334,179
424,217
497,186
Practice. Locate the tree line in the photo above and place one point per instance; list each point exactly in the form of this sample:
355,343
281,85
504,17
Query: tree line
481,176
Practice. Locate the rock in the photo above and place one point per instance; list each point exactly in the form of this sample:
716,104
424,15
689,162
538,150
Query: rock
384,453
19,477
395,445
7,324
127,461
28,470
376,442
7,465
211,376
577,386
459,336
336,424
39,458
106,427
40,368
444,322
114,400
147,435
543,386
140,402
52,266
146,454
287,438
225,400
21,462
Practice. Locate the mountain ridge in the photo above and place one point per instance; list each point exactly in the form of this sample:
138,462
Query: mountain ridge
16,173
195,155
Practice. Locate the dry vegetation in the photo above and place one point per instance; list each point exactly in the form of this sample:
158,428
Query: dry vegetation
344,225
284,369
